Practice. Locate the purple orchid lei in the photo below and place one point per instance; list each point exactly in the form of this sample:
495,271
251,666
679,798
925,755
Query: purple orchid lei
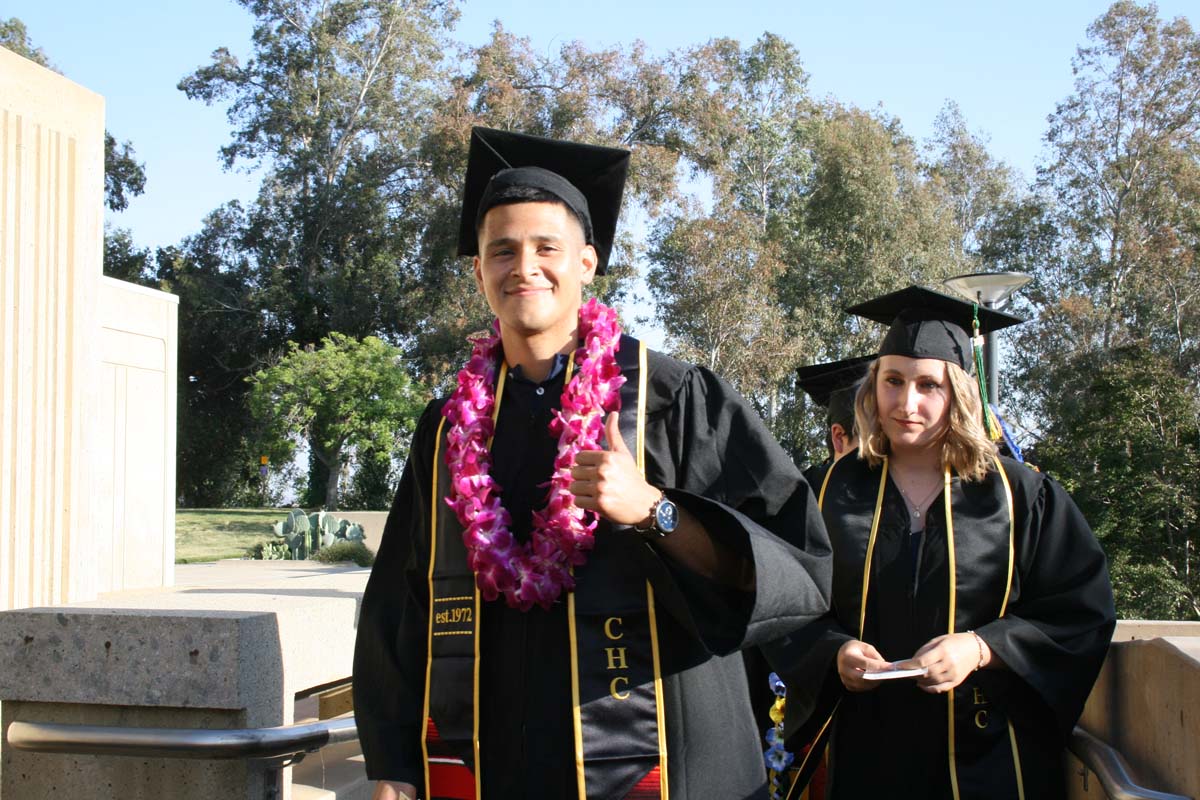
535,572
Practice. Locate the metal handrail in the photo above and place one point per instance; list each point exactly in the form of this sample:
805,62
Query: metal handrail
234,743
290,741
1110,767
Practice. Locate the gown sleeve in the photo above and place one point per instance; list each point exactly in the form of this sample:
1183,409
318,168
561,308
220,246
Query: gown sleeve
389,653
713,455
1061,617
806,660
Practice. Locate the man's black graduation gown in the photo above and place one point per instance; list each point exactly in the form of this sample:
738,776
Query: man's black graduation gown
712,454
815,474
1057,621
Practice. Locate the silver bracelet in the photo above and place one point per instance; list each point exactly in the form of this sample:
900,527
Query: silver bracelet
979,644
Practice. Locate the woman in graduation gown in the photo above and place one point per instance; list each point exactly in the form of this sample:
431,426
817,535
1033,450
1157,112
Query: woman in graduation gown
973,569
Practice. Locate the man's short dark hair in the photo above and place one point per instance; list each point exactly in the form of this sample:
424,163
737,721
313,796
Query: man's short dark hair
511,195
847,423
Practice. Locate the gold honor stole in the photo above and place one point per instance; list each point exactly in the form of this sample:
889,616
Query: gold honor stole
616,676
978,766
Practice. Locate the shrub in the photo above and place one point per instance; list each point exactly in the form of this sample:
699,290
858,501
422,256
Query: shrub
344,550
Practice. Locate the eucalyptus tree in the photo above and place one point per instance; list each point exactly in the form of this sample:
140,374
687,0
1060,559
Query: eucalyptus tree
1110,368
621,97
834,198
740,125
746,111
331,104
972,182
709,276
1124,171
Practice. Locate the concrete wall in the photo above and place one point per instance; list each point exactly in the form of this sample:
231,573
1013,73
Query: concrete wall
1146,704
372,524
87,365
51,249
230,645
135,464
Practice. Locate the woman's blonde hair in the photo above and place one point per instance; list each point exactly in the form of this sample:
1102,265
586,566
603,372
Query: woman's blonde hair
965,444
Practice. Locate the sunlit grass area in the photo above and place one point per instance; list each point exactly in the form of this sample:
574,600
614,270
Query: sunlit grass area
209,534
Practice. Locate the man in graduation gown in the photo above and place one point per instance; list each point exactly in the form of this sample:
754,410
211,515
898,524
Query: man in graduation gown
832,386
629,683
1008,559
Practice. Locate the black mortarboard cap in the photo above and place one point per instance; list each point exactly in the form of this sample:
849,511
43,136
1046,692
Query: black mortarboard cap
929,324
589,179
832,385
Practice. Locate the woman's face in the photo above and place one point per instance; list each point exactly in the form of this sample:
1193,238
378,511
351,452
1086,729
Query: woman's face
913,396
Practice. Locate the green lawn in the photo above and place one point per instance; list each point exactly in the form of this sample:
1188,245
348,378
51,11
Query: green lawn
207,534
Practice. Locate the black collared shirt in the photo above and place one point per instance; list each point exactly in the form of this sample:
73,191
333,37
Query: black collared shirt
525,669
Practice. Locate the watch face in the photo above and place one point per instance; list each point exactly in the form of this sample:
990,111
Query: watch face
666,516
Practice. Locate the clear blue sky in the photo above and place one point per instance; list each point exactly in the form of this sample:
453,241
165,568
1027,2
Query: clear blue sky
1005,64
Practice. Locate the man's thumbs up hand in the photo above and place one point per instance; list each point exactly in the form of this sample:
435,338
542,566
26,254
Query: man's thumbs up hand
609,483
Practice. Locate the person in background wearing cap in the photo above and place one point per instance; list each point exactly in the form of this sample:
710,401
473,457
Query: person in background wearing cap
972,607
584,536
832,386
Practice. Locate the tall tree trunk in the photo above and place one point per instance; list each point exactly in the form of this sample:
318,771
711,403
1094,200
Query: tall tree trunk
331,482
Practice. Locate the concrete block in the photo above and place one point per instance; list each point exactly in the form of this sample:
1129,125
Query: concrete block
1145,704
229,646
144,657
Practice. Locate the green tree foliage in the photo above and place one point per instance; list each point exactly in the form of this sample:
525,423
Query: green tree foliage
711,279
744,117
342,396
1127,446
126,261
973,184
1125,161
836,200
14,36
124,177
1110,366
620,97
332,102
224,336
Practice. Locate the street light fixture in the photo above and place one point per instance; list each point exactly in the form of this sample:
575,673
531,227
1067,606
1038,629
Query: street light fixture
992,290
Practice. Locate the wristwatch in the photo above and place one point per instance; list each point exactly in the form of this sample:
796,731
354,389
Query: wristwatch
664,518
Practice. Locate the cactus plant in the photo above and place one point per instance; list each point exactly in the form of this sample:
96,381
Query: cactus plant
302,536
326,525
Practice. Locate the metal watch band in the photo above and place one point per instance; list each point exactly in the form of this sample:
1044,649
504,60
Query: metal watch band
653,526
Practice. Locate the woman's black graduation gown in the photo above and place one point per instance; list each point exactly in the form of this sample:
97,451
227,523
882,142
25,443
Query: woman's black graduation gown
1050,624
704,442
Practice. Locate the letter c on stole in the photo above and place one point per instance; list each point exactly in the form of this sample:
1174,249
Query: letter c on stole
608,631
612,688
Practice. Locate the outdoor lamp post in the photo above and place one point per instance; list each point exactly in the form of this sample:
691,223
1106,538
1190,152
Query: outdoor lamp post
992,290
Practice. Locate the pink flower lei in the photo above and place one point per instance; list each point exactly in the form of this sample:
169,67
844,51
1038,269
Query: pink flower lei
537,571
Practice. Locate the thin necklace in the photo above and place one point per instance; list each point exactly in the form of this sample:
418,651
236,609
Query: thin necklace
917,507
